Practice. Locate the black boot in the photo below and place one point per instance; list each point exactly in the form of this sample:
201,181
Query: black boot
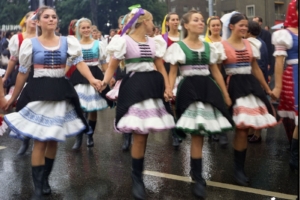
215,137
24,147
38,177
294,159
90,140
48,168
138,187
175,138
223,140
198,188
239,163
127,141
78,141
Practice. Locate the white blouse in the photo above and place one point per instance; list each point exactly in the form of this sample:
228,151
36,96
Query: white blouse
176,55
282,40
25,58
255,47
117,49
102,52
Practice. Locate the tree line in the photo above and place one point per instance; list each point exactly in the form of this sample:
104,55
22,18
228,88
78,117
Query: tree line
100,12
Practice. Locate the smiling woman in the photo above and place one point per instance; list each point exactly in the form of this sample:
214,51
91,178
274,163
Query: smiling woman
48,108
246,84
94,55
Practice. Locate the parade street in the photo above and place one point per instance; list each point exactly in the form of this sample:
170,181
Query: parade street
103,172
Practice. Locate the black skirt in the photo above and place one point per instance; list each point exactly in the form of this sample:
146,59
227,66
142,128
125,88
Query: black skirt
137,87
77,78
242,85
13,78
50,89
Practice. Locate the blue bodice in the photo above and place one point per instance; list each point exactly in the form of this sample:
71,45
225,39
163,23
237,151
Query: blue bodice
293,52
49,58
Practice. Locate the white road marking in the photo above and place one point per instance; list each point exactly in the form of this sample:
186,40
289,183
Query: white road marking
224,185
2,147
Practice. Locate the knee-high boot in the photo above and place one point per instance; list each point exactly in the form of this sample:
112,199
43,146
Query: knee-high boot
90,140
138,187
126,141
48,168
239,163
294,159
78,141
24,146
38,178
198,188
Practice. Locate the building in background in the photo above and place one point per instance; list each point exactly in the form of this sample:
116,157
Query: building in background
271,11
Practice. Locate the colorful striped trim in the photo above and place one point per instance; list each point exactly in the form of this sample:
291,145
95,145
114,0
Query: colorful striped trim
250,111
147,113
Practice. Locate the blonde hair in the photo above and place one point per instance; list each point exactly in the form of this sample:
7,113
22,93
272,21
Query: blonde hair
78,26
139,21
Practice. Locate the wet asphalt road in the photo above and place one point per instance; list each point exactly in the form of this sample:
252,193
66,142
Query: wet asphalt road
103,172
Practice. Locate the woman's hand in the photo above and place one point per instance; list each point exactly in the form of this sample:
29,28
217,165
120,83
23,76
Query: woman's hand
103,86
228,100
275,93
112,82
5,106
96,84
168,94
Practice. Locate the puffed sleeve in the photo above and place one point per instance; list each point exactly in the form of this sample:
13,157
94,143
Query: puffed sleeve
160,46
282,40
13,47
25,56
74,51
255,46
117,48
102,52
220,51
214,56
174,55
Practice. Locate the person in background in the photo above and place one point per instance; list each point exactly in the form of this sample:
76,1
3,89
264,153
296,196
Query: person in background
267,28
5,49
286,81
253,32
266,37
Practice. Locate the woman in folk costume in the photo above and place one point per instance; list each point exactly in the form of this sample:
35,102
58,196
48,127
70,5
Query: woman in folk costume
71,31
171,34
48,109
91,101
200,101
213,34
245,83
118,76
141,108
286,81
29,31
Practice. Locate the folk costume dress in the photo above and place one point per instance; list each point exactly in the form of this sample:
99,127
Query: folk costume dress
90,99
119,75
141,108
250,106
48,107
170,41
200,106
14,47
286,44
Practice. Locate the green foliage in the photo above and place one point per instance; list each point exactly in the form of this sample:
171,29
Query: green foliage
13,12
105,11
